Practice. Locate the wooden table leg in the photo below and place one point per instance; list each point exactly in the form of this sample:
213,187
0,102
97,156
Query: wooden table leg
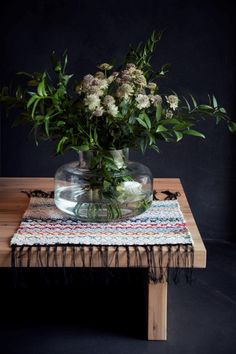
157,311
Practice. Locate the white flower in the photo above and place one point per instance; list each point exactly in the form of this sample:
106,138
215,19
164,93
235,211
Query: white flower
139,78
129,188
132,187
98,86
92,101
126,78
94,85
87,81
99,75
95,90
124,91
108,99
112,77
105,66
169,114
112,109
152,86
155,99
143,101
131,67
98,112
103,84
88,78
173,101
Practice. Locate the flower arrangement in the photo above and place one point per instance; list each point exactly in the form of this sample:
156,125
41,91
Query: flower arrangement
109,110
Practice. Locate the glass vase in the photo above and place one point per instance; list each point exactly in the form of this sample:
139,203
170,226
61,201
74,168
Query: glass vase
103,187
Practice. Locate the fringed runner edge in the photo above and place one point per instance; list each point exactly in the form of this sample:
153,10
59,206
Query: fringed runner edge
178,258
181,257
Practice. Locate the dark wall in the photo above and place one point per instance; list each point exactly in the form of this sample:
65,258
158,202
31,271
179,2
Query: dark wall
198,42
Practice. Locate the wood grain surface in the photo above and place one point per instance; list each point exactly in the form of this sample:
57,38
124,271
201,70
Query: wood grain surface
13,204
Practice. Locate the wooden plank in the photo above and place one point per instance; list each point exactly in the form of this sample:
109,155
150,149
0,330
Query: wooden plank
13,203
157,311
174,185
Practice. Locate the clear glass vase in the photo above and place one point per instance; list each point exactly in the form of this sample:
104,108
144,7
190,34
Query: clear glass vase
103,187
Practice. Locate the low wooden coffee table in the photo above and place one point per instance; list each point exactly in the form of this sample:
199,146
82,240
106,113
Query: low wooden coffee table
13,204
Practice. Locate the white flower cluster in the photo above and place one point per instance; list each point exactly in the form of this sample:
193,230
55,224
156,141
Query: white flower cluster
173,101
126,85
94,88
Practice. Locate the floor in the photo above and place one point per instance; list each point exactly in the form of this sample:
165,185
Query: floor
106,313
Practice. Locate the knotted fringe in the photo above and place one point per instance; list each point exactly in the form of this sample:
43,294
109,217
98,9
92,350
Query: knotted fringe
164,262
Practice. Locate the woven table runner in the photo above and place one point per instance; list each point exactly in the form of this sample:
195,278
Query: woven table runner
161,230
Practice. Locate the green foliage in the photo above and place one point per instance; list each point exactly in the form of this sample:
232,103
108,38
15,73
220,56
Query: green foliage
59,108
50,103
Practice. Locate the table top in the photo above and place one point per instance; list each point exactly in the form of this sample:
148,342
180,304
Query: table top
13,203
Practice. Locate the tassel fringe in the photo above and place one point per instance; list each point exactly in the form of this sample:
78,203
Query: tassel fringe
164,262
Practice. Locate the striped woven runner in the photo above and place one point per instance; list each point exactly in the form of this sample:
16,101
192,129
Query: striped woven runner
43,225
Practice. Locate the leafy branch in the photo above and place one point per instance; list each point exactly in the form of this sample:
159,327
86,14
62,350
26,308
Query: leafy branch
58,112
142,54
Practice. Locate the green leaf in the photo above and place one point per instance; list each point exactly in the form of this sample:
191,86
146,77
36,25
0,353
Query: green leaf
132,119
83,148
161,128
65,78
222,110
31,100
152,139
182,126
214,101
218,119
65,62
194,101
46,124
179,135
34,107
19,93
205,107
95,136
60,123
169,121
143,145
55,63
232,127
209,98
156,148
143,117
188,105
106,184
124,106
158,111
25,74
61,143
148,122
41,89
141,122
194,133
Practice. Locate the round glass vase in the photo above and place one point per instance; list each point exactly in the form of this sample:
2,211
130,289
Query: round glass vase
103,187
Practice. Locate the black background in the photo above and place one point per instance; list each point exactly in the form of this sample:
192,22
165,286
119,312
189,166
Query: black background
198,42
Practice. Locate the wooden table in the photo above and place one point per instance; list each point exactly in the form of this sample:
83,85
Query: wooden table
13,204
